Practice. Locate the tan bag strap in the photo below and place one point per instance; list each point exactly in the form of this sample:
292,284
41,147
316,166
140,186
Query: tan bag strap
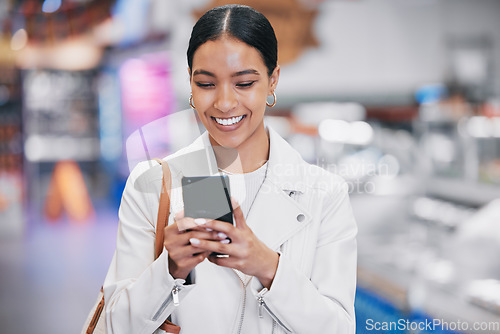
162,221
95,318
170,327
164,208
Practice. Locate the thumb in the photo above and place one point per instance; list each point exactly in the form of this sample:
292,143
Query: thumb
179,214
238,214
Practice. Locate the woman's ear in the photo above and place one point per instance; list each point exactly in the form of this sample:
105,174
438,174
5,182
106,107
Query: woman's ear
273,79
189,72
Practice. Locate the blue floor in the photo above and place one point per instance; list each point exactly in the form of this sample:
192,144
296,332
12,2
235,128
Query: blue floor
50,277
375,314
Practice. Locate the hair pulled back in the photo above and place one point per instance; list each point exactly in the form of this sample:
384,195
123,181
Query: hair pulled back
238,21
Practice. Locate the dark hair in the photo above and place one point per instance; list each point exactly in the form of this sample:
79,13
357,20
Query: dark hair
238,21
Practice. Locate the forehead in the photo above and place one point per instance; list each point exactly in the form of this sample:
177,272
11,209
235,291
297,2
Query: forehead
227,55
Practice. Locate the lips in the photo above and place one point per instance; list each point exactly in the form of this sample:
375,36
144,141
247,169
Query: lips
228,121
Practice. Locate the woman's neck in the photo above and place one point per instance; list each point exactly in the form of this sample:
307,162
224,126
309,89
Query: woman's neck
249,156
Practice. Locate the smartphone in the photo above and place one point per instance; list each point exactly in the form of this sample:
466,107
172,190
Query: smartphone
207,197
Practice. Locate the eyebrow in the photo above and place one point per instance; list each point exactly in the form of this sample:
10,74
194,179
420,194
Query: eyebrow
250,71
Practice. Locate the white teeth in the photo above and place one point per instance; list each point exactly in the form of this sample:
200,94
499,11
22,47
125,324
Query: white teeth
229,121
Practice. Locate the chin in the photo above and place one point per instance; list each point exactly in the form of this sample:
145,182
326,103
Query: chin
227,142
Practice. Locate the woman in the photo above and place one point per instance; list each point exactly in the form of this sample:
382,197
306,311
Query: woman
291,262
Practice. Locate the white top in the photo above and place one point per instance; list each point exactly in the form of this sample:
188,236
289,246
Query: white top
245,187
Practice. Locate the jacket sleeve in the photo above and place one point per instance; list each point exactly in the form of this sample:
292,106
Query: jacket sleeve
137,288
324,302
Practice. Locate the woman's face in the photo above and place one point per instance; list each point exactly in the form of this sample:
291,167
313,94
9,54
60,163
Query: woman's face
230,84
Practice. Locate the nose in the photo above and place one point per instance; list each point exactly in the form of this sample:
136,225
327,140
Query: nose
226,99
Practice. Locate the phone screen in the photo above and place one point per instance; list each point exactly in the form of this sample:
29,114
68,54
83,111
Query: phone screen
207,197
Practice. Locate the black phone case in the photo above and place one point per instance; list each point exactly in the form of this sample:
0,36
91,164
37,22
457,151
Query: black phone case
204,197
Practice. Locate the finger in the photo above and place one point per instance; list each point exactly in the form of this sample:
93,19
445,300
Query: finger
211,246
195,259
179,215
220,226
174,238
172,229
182,239
213,235
234,202
201,228
204,253
223,261
185,252
238,214
190,223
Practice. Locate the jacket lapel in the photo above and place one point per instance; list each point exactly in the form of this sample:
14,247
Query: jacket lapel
275,215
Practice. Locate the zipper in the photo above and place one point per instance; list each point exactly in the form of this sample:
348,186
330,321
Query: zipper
242,317
262,304
174,295
260,299
276,318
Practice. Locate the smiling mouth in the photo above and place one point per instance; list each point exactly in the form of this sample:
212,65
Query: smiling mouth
229,121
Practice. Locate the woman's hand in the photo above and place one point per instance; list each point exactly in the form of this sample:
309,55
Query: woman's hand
182,256
246,252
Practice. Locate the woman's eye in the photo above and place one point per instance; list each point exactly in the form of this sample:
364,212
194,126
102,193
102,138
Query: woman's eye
245,84
204,85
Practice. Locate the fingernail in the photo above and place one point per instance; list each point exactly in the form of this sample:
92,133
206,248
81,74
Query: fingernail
221,235
225,241
200,221
194,241
209,229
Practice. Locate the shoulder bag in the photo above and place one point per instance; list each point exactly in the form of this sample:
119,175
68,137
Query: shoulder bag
95,321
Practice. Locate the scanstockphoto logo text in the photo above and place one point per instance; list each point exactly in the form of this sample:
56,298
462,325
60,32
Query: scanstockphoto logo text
430,325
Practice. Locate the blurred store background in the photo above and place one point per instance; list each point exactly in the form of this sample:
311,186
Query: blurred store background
400,97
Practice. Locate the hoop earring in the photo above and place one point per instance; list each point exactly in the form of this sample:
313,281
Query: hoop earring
274,102
191,101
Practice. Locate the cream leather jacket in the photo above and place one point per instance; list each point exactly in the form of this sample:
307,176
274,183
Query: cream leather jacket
301,211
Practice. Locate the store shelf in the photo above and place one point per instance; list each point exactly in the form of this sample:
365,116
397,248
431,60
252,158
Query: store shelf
436,301
418,266
462,191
